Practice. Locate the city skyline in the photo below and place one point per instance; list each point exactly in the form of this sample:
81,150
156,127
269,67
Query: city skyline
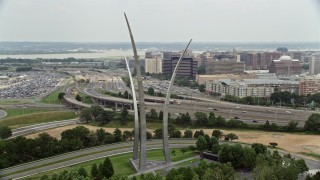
204,21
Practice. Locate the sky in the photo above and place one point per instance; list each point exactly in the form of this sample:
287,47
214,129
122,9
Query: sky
160,20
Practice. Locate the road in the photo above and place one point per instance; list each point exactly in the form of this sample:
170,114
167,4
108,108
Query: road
40,127
103,151
3,114
85,155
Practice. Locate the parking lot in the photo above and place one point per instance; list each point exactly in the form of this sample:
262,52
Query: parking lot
30,84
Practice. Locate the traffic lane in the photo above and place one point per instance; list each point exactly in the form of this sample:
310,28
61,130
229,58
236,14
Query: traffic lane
40,127
249,115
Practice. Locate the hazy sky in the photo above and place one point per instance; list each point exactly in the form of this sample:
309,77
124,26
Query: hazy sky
160,20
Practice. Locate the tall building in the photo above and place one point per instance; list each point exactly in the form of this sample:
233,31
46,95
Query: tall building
314,65
187,68
153,62
309,85
259,60
285,66
224,67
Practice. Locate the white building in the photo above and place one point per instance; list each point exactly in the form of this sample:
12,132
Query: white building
153,62
250,87
314,65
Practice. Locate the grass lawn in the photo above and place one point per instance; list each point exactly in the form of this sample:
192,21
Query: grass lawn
311,154
86,99
19,121
26,111
52,98
120,163
14,101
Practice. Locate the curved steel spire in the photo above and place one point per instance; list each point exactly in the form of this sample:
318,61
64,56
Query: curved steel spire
136,116
165,111
143,138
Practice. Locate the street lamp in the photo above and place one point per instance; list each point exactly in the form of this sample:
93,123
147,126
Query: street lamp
275,116
230,113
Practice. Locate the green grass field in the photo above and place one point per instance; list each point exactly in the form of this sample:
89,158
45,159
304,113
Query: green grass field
42,117
15,101
26,111
86,99
120,163
311,154
52,98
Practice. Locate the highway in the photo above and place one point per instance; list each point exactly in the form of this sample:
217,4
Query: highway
40,127
89,154
246,113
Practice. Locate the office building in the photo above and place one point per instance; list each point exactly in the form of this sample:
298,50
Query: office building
251,87
188,67
285,66
224,67
309,85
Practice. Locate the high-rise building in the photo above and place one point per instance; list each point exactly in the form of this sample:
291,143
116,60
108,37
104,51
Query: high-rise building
188,67
314,65
153,62
285,66
309,85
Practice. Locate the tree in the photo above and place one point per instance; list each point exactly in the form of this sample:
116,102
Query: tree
82,172
161,115
273,144
202,88
151,91
232,136
85,115
201,118
201,70
60,95
259,148
5,132
176,134
153,114
187,134
158,133
198,133
217,133
101,135
117,135
220,121
292,125
96,111
127,135
201,144
105,116
126,94
107,168
267,125
94,170
212,119
313,123
78,97
124,116
149,135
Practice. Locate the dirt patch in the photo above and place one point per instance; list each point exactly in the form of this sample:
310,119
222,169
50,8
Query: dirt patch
294,143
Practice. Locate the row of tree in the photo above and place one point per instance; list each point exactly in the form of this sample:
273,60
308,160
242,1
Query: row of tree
101,116
279,98
265,165
20,149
